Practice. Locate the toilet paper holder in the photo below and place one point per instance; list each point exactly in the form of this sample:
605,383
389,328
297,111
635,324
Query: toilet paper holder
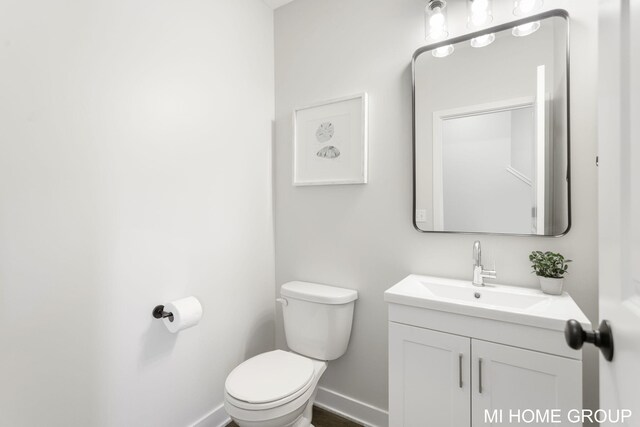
159,313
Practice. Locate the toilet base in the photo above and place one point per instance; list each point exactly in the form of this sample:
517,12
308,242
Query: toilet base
307,415
304,420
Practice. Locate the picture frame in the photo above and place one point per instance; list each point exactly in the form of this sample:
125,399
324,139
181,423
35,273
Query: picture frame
330,142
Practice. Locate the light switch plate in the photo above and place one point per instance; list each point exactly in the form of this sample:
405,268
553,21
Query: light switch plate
421,215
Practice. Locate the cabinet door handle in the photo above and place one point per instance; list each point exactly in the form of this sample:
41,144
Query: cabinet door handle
480,375
460,370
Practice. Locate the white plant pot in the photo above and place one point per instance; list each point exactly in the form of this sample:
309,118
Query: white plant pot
551,285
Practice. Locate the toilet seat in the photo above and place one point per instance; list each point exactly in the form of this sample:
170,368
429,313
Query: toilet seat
269,380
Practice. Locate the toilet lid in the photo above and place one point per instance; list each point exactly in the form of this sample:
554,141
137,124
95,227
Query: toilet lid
269,377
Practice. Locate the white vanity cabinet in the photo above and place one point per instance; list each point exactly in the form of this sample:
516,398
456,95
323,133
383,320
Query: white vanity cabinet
459,365
447,380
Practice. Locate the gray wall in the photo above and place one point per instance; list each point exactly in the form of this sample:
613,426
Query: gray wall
361,236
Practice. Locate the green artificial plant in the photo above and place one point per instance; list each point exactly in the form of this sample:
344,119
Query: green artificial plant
549,264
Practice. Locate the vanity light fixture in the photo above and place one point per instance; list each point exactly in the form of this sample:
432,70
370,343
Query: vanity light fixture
435,15
522,8
443,51
526,29
526,7
480,15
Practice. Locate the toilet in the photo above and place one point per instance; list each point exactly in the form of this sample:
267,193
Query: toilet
278,388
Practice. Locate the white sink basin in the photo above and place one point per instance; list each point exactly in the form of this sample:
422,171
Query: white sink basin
498,302
502,296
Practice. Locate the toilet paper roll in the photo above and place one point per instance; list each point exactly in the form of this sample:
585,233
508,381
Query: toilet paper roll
187,312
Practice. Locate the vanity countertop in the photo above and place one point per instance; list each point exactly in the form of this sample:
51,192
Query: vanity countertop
512,304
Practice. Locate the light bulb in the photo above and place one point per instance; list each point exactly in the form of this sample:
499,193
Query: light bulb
436,23
437,27
437,20
479,13
526,29
438,35
483,41
480,18
479,6
443,51
526,7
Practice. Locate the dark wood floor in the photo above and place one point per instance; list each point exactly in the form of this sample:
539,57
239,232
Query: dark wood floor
322,418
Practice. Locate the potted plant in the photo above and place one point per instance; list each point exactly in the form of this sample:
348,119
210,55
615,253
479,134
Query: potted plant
550,267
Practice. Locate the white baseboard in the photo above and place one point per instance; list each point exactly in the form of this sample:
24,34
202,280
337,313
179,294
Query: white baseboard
352,409
217,417
345,406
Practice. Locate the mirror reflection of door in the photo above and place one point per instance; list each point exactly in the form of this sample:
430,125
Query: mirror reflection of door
486,164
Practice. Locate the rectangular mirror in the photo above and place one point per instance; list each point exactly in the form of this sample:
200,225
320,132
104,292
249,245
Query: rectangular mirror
491,130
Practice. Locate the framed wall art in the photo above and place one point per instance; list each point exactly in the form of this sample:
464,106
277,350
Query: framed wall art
330,142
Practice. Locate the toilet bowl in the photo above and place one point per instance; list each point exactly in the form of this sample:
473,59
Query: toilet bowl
274,389
278,388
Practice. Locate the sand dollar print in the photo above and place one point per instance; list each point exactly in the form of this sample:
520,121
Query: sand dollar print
324,132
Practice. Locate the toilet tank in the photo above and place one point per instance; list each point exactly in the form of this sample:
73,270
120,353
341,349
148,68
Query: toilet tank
317,318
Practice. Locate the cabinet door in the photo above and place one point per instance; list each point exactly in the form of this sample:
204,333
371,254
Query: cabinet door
508,381
429,375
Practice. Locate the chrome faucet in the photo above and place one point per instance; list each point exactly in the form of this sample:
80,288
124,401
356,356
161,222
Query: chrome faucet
479,273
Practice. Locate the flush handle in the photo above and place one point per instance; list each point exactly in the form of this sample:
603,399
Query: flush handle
601,337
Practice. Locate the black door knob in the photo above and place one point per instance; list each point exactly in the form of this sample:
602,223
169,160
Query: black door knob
601,337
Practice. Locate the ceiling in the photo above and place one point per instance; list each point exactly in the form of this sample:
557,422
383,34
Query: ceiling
274,4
